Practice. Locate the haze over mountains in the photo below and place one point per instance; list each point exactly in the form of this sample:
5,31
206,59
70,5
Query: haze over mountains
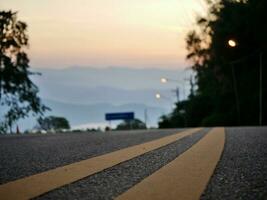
84,94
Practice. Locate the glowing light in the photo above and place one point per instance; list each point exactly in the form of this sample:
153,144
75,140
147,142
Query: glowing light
163,80
158,96
232,43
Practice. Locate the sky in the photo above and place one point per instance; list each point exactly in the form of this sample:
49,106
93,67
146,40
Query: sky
102,33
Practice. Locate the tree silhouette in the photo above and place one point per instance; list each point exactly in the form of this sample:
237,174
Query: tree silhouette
53,123
18,94
227,79
131,124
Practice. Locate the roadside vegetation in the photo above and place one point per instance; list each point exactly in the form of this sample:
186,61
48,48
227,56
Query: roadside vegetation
52,123
228,52
134,124
18,94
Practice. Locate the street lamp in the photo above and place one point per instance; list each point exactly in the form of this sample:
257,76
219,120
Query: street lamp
232,43
161,96
158,96
177,93
163,80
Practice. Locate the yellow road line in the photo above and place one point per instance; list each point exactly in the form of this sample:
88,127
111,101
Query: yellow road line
35,185
184,178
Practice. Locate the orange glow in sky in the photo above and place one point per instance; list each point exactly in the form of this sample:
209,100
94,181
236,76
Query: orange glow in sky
100,33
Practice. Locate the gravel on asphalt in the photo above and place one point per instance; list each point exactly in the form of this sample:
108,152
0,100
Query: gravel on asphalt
242,170
25,155
113,181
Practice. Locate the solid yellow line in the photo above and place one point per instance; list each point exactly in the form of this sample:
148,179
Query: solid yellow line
35,185
184,178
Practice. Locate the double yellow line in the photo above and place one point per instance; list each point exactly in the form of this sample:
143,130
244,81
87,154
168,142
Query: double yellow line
35,185
184,178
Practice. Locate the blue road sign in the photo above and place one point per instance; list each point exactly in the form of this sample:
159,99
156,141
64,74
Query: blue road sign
119,116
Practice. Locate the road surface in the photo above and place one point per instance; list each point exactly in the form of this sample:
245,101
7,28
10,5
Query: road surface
201,163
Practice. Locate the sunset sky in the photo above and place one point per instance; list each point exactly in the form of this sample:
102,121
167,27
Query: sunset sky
101,33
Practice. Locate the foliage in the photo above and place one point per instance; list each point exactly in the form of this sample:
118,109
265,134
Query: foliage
53,123
227,78
18,94
131,124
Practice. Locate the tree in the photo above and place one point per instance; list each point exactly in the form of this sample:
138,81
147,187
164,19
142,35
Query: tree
53,123
18,94
131,124
227,79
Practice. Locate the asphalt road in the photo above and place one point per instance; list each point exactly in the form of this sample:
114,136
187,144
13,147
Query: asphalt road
25,155
241,172
111,182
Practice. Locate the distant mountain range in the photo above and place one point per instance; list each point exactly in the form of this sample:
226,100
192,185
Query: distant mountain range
109,85
83,95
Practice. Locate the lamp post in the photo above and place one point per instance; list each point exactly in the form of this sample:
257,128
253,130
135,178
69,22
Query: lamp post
260,92
176,90
232,43
160,96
